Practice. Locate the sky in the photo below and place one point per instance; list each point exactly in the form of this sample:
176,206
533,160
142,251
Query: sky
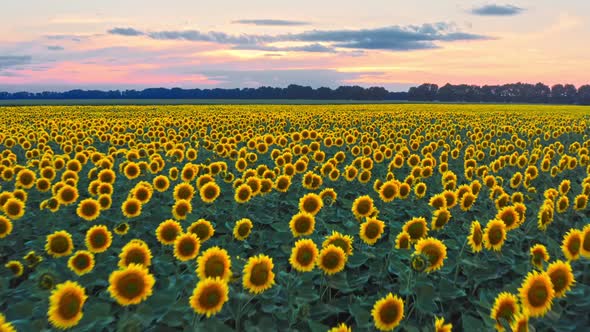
58,45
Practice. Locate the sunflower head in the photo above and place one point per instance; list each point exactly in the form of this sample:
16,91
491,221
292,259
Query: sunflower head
243,193
371,230
202,228
494,235
435,251
5,227
539,255
98,239
339,240
59,244
331,259
258,275
440,218
440,326
362,206
209,192
536,294
416,228
131,207
561,276
311,203
122,228
214,262
186,246
571,244
585,247
475,237
419,262
15,267
504,310
81,262
388,312
131,285
341,328
302,223
304,255
242,229
167,231
135,252
65,305
209,296
402,240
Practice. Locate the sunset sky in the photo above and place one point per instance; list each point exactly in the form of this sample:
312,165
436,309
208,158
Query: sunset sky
121,44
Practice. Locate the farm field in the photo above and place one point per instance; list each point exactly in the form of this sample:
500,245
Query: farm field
365,217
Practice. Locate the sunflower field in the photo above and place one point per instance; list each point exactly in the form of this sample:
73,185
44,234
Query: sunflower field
295,218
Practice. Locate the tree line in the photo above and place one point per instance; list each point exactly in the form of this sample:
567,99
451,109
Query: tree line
507,93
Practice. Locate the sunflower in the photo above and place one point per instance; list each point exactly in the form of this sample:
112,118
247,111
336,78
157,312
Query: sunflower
494,235
59,244
302,223
202,229
209,192
572,242
143,192
434,250
282,183
341,328
416,228
310,203
440,218
131,285
362,206
135,252
131,207
258,275
186,246
402,240
32,259
580,202
545,216
242,229
67,195
331,259
304,255
81,262
98,239
585,248
451,198
26,179
505,309
132,170
65,305
539,255
214,262
536,294
561,276
371,230
388,312
243,193
161,183
438,201
520,323
14,208
6,326
328,196
167,231
15,267
5,227
209,296
475,237
122,228
440,326
339,240
88,209
509,216
181,209
564,187
388,191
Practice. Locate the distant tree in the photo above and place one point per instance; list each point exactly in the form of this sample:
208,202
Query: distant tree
584,95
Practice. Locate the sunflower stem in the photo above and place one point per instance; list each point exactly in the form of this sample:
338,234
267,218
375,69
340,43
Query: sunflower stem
457,267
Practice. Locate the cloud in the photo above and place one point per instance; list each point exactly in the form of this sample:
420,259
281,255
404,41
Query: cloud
55,48
497,10
7,61
125,32
271,22
392,38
